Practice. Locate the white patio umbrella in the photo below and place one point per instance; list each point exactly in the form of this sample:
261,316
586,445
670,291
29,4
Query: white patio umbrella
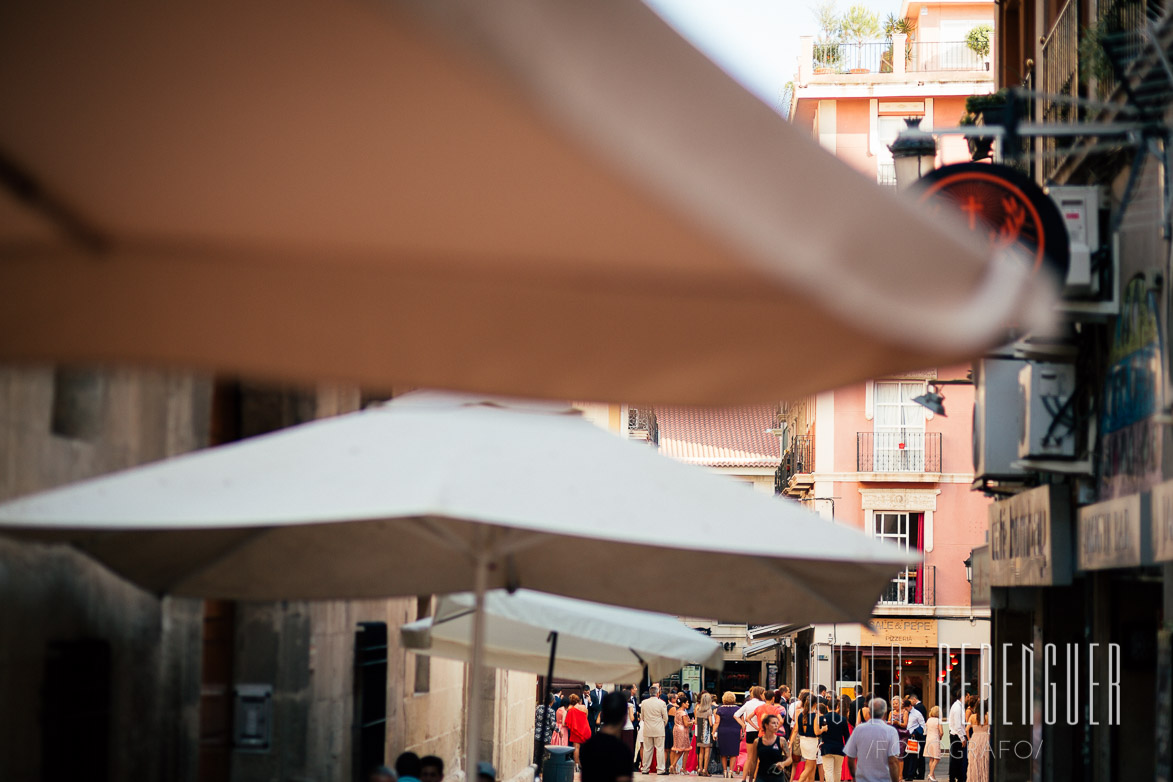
575,639
495,196
437,493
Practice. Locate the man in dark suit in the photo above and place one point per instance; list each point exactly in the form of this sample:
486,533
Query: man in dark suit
918,704
860,702
595,706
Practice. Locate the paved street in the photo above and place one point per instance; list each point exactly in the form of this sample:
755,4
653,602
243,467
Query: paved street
942,773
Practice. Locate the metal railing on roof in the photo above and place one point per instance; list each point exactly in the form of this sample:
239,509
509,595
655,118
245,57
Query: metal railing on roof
873,57
924,56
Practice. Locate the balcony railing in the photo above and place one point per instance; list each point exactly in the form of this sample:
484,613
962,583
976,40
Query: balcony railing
873,57
914,586
943,56
799,459
1060,79
886,174
804,454
878,57
1123,24
898,451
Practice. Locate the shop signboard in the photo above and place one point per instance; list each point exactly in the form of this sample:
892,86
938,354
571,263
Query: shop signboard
1114,534
1030,539
1162,522
691,675
907,633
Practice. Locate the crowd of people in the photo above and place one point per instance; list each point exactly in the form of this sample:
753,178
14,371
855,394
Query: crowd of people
772,736
410,767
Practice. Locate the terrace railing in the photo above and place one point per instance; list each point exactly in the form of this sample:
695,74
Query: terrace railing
924,56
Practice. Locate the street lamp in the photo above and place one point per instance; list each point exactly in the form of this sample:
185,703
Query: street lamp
932,399
914,153
969,568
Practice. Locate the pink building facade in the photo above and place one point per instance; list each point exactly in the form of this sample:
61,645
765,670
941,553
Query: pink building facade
867,455
854,97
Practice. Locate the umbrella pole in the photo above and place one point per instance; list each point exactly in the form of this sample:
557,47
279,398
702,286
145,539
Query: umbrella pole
546,695
475,673
550,668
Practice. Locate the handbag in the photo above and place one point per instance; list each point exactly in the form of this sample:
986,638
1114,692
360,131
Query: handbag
715,768
912,746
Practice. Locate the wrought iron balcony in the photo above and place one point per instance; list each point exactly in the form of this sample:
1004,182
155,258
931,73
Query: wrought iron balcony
803,449
1118,55
1060,79
799,459
1123,30
914,586
642,426
898,451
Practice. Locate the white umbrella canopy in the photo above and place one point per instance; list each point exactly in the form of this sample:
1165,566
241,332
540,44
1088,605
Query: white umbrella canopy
436,493
595,642
500,197
399,499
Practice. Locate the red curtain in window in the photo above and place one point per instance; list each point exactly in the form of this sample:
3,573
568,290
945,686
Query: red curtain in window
918,519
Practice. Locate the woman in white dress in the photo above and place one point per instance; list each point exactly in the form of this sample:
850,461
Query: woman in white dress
933,741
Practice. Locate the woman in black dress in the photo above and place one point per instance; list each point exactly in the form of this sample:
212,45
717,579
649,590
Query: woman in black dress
765,757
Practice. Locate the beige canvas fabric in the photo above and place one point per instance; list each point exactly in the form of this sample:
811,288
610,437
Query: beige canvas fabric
555,199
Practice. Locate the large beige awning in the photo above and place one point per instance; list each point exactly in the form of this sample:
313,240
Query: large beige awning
528,197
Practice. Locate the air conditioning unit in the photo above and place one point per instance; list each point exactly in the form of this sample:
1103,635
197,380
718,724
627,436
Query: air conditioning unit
1080,207
1047,424
996,418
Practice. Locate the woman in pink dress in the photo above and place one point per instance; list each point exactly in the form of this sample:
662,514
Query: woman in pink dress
978,769
681,734
560,726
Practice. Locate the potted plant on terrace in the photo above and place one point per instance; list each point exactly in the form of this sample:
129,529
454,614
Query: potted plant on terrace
827,57
859,25
978,42
897,25
981,110
828,54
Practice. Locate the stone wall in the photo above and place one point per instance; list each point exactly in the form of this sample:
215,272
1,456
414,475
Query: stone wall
62,426
430,723
513,734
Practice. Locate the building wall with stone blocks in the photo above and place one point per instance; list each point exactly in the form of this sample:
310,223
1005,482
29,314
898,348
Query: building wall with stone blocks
59,425
95,668
433,722
513,734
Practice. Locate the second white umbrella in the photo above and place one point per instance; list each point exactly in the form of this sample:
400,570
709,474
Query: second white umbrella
594,642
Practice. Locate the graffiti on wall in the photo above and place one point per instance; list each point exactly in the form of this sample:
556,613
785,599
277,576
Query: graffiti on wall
1130,459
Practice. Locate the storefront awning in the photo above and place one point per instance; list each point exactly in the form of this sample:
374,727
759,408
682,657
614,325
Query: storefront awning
759,647
778,629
